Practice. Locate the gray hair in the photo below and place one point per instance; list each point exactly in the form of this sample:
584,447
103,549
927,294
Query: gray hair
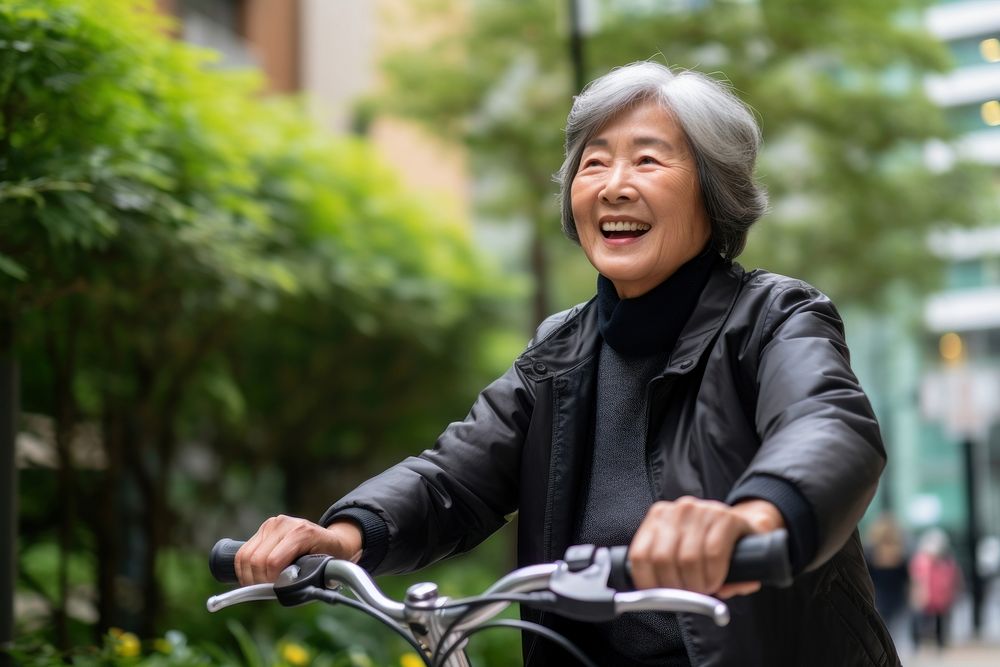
723,134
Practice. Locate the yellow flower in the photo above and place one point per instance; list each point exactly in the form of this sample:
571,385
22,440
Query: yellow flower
294,654
359,658
127,645
163,646
32,13
411,660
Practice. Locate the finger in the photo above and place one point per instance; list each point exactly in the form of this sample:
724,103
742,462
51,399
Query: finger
690,559
249,551
643,574
244,572
663,518
649,547
240,564
720,540
696,518
731,590
665,560
261,561
295,541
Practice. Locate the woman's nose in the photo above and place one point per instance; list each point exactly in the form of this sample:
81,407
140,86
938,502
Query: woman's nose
618,186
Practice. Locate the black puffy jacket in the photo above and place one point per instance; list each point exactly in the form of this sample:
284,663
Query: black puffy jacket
759,383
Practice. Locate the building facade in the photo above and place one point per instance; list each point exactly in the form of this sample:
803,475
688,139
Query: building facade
932,366
329,51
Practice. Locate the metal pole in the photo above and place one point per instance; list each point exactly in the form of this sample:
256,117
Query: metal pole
8,488
576,46
972,532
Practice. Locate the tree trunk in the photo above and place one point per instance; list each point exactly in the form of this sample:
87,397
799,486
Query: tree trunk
8,483
107,519
157,522
64,408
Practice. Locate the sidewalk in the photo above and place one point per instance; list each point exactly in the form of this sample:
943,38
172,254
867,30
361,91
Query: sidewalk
970,655
964,649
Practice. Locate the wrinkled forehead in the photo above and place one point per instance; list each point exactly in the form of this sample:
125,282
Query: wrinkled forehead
644,124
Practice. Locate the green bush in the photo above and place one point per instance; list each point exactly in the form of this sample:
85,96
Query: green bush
248,313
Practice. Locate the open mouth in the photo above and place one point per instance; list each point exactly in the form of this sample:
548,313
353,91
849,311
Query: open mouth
621,229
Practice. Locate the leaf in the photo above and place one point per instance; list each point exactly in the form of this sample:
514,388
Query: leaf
251,654
12,268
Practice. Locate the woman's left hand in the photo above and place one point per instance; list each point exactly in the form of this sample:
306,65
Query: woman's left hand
688,543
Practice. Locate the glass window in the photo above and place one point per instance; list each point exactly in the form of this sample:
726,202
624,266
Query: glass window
977,50
971,117
965,274
225,14
218,25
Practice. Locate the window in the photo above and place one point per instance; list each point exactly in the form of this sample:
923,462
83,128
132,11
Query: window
216,24
978,50
965,274
974,117
224,14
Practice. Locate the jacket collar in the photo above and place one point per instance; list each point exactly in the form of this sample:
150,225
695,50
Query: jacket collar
712,311
578,339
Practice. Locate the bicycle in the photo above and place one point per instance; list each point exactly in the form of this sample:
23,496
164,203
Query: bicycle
589,583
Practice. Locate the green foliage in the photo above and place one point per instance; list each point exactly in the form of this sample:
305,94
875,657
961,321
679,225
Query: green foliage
216,282
270,635
837,87
124,649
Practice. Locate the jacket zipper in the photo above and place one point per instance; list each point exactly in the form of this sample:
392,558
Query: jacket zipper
550,483
651,390
547,522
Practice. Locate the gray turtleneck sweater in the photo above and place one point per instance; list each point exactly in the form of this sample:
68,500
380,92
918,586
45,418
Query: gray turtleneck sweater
618,494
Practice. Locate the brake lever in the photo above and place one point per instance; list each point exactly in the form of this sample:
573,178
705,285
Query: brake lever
580,583
293,586
297,582
245,594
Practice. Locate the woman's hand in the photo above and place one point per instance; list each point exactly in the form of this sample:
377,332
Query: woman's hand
688,543
282,539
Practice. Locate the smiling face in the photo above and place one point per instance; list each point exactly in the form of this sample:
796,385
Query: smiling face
636,200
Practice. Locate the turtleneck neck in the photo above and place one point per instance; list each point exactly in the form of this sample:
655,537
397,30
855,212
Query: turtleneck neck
652,322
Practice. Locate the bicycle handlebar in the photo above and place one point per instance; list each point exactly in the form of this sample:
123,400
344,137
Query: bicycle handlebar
222,560
760,557
589,584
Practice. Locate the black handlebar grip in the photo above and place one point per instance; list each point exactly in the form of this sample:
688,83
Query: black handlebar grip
760,557
620,578
222,560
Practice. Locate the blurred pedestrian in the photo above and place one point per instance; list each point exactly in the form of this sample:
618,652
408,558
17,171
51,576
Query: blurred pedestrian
885,551
935,580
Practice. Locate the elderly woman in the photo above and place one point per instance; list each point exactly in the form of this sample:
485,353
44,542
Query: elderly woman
689,403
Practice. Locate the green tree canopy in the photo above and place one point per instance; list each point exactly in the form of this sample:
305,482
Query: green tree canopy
837,87
191,266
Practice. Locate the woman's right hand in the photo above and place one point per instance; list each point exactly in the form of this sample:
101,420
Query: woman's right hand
282,539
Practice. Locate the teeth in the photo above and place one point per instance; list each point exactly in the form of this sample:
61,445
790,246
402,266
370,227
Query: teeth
622,226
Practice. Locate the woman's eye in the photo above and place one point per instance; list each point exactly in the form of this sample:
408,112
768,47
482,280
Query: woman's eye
646,159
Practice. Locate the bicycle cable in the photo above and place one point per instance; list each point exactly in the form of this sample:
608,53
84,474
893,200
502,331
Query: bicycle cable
331,597
548,633
481,601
